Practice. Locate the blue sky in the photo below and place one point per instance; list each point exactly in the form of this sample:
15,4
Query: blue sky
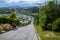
22,3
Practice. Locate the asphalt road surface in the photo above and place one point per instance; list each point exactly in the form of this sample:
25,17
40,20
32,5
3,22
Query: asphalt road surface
23,33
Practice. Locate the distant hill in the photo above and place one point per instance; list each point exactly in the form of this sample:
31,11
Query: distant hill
7,10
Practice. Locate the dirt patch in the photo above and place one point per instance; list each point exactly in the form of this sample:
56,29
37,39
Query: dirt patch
50,34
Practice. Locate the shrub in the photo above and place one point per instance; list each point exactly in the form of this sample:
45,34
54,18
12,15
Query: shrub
4,19
56,24
9,19
13,15
7,27
16,21
14,25
1,28
49,26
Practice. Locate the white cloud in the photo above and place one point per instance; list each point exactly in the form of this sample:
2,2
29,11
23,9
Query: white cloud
22,1
11,1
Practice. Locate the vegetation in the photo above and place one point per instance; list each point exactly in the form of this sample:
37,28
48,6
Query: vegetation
9,22
9,19
8,10
1,28
52,13
47,35
48,17
47,21
7,27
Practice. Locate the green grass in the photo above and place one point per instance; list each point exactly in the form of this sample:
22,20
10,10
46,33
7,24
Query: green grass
42,34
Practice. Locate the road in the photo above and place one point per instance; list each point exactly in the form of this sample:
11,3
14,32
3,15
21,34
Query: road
23,33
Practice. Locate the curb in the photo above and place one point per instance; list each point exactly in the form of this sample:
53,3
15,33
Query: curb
37,36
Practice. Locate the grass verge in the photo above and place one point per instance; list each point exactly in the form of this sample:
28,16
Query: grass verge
47,35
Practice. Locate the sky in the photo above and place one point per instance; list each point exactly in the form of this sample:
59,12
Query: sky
22,3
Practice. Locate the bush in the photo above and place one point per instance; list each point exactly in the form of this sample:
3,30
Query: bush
9,19
56,24
7,27
49,26
4,19
36,18
16,21
13,15
14,25
42,20
29,22
1,28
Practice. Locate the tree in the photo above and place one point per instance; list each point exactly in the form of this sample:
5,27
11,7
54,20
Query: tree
13,15
48,14
51,11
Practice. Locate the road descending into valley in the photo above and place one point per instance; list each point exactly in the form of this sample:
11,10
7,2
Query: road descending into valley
23,33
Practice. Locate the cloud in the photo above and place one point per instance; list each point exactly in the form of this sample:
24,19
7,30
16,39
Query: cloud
11,1
22,1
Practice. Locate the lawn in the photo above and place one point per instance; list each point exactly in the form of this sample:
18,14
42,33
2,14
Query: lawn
47,35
